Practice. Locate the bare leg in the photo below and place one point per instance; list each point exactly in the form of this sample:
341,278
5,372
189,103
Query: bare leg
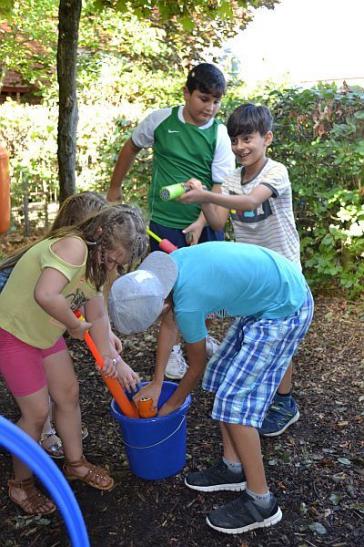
63,388
229,449
286,383
247,445
34,411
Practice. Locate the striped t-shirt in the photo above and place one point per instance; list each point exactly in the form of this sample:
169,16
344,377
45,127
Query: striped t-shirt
272,225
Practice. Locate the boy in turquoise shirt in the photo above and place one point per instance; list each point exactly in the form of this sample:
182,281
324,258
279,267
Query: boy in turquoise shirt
187,142
273,307
258,197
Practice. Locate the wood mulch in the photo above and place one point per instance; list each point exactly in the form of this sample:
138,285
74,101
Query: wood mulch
316,468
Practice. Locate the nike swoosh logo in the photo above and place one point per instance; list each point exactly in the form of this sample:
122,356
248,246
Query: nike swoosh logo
173,131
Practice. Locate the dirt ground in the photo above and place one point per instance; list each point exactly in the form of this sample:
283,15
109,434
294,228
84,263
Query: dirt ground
316,468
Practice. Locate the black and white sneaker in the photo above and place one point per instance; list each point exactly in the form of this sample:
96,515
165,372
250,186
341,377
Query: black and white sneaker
243,515
216,478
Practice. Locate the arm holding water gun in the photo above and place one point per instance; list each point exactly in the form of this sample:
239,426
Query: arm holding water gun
216,206
108,344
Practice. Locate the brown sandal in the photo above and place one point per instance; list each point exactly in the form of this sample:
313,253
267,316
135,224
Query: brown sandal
35,500
95,475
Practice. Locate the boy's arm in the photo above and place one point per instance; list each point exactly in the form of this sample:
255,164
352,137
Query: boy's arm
216,216
166,338
212,202
197,358
196,227
125,160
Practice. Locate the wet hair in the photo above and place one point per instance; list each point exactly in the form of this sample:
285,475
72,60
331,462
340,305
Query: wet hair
206,78
249,118
113,227
73,210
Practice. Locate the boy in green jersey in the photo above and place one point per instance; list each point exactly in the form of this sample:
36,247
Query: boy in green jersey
187,142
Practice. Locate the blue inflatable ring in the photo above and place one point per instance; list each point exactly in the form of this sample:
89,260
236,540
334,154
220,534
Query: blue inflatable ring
13,439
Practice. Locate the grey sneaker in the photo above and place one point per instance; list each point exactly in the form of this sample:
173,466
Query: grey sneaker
216,478
243,514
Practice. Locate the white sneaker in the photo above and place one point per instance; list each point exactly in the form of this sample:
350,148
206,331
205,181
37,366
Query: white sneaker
212,346
176,367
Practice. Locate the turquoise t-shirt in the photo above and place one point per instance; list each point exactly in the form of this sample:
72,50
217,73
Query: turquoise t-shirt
234,279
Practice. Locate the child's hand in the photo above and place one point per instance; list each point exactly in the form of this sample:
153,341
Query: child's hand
152,390
195,192
194,196
193,232
126,376
194,184
110,365
79,331
116,343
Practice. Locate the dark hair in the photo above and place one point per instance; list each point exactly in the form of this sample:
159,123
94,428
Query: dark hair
207,78
249,118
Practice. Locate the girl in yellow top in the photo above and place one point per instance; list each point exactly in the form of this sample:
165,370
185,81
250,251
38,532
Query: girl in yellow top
49,281
75,209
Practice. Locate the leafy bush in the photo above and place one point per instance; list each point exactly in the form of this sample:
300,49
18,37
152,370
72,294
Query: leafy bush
319,136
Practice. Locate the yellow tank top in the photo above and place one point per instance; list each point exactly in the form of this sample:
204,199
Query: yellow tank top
21,315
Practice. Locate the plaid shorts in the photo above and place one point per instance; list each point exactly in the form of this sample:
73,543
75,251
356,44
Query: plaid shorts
250,363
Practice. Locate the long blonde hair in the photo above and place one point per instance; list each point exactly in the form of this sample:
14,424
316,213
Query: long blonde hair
113,226
74,209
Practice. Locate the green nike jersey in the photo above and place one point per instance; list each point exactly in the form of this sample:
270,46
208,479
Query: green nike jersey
181,151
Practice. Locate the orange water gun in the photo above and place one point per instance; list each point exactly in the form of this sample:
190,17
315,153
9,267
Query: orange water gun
126,406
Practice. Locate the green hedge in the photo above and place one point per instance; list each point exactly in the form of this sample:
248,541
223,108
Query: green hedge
318,135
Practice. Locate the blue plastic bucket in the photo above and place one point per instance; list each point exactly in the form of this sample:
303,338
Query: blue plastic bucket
155,447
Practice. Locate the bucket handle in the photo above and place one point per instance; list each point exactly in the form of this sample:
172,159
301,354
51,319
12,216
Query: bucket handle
159,442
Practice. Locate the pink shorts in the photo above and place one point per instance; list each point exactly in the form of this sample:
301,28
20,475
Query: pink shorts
21,365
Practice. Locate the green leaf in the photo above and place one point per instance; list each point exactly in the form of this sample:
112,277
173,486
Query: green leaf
6,7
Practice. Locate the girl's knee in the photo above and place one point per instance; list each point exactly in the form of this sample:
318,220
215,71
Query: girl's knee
36,415
68,397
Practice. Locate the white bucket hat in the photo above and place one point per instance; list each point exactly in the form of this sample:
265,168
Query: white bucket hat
136,299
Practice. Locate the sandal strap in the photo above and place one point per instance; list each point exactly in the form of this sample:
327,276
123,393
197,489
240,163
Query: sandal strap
24,484
95,474
34,498
93,470
78,463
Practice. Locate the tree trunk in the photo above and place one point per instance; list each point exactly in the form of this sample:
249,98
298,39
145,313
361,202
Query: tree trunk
69,19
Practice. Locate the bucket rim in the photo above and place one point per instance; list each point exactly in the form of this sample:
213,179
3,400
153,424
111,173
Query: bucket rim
181,410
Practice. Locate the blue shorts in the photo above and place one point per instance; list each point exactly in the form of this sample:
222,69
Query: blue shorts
249,365
175,235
